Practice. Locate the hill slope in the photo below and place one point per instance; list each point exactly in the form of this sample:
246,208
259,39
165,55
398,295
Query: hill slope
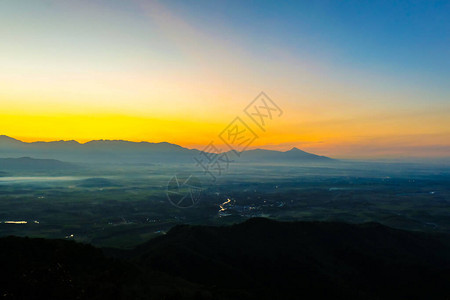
258,259
286,260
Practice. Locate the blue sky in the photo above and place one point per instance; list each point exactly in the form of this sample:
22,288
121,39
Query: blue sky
402,37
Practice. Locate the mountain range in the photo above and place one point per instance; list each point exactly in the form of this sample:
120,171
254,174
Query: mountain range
119,151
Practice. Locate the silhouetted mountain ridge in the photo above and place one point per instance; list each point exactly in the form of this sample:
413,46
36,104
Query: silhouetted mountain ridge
258,259
295,154
120,151
313,259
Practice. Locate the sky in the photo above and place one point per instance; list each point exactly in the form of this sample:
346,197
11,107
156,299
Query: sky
354,79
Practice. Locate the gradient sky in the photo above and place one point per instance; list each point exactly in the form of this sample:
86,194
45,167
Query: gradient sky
354,78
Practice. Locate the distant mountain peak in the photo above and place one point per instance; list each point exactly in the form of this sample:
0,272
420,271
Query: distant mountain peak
71,142
293,149
5,137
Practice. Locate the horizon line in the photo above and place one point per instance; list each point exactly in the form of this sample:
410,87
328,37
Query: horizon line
374,158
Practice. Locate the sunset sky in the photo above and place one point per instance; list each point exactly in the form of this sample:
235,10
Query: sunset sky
353,78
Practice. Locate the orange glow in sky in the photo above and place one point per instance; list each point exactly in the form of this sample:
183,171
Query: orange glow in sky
84,71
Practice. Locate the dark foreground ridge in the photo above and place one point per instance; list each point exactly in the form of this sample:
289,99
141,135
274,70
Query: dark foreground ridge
258,259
